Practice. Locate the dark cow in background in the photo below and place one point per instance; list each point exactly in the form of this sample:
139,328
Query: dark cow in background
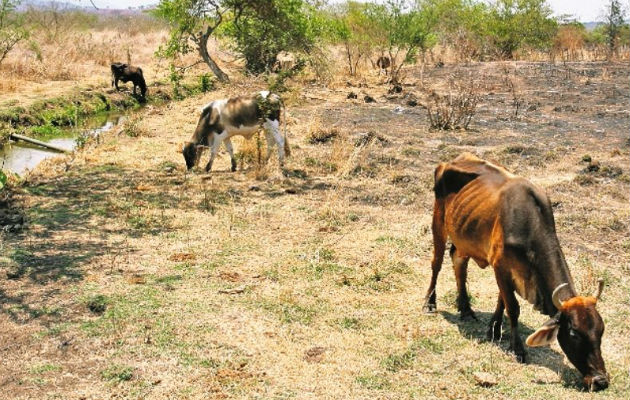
126,73
383,62
244,116
505,221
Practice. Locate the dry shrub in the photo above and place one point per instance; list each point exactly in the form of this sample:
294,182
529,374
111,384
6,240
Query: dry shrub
353,157
132,126
254,152
569,43
456,108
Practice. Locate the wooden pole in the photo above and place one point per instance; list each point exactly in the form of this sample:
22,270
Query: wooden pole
15,136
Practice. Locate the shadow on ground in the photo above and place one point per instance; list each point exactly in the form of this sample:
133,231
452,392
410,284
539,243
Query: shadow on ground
75,218
543,356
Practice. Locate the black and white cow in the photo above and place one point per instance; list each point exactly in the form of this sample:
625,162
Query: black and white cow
244,116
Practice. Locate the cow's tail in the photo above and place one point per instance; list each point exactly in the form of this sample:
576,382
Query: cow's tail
287,148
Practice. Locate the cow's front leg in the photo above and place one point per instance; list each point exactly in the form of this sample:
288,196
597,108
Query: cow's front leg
513,311
273,126
494,328
216,143
230,150
116,85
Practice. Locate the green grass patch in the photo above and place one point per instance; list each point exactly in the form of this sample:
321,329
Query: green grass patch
350,323
39,369
117,373
399,361
373,382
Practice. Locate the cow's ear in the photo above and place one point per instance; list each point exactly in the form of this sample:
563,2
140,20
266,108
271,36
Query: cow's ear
545,335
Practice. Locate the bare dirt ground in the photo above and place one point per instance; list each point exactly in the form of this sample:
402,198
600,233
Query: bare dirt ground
136,280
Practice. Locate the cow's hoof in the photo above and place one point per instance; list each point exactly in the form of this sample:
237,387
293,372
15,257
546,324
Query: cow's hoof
519,353
522,358
429,308
468,315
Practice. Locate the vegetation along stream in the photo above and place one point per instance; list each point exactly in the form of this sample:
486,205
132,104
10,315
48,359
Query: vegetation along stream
19,157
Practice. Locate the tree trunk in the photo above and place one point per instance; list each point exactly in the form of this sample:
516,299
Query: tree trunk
203,51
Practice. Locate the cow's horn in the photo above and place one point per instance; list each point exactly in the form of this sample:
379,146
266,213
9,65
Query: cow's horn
554,296
600,288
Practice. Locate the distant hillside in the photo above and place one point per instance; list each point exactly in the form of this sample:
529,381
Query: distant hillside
62,5
591,25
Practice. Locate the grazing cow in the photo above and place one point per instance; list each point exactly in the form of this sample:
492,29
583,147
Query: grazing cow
244,116
505,221
285,61
126,73
383,62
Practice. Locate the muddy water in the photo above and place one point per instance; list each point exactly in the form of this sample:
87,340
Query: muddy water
20,157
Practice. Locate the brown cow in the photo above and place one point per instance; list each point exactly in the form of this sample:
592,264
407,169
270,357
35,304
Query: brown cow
505,221
126,73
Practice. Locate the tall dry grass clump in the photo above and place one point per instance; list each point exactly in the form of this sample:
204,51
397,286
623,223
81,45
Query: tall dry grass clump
75,45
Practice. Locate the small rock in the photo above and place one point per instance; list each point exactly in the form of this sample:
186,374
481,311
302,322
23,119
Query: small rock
593,166
398,110
369,99
314,354
397,88
254,188
352,95
485,379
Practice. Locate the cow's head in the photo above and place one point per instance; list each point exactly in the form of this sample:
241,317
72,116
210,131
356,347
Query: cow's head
579,329
190,151
118,67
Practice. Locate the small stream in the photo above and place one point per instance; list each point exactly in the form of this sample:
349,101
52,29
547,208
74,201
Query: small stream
20,157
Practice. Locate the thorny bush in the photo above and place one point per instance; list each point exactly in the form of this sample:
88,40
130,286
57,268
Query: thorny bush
456,108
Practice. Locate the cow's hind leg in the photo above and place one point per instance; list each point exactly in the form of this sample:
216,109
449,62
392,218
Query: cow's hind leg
460,267
273,126
513,311
230,150
496,322
439,246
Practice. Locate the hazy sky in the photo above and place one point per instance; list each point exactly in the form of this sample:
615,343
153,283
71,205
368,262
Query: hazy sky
584,10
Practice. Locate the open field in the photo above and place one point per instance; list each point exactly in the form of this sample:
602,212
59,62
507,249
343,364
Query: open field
137,280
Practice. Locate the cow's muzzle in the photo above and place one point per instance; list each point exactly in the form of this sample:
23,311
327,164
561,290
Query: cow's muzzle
596,383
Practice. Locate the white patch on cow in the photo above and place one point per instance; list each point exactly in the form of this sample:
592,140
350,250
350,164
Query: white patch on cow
219,104
264,94
204,108
245,131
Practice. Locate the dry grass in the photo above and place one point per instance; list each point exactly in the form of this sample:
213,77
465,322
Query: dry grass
307,284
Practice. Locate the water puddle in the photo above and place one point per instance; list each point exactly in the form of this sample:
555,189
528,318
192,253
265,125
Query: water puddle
20,157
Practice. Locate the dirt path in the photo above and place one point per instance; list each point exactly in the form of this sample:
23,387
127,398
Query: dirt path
135,280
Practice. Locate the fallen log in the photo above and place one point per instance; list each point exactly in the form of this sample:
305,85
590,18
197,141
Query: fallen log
15,136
